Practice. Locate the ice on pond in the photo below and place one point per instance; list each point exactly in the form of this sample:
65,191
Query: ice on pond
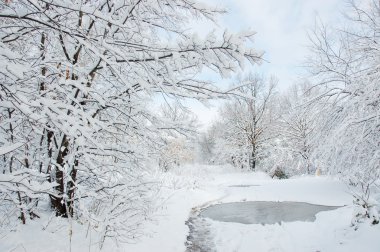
264,212
242,185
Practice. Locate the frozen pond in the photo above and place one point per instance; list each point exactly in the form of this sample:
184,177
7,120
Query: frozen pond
242,185
264,212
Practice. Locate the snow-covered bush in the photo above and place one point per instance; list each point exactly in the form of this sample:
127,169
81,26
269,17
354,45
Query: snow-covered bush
279,172
364,212
176,152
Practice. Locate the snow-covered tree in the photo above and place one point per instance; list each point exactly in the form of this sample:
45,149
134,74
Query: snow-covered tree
178,131
345,62
207,141
299,115
247,121
75,79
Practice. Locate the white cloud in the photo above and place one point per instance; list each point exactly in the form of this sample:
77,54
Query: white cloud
281,28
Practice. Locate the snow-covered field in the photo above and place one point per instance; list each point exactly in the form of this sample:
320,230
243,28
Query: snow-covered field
189,188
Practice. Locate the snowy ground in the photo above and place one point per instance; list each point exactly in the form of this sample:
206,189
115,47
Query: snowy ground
188,189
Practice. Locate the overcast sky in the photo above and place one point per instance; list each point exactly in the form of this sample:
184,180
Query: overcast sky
281,27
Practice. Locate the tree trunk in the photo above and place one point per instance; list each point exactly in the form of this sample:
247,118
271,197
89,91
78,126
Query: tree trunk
22,213
58,203
252,159
71,188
